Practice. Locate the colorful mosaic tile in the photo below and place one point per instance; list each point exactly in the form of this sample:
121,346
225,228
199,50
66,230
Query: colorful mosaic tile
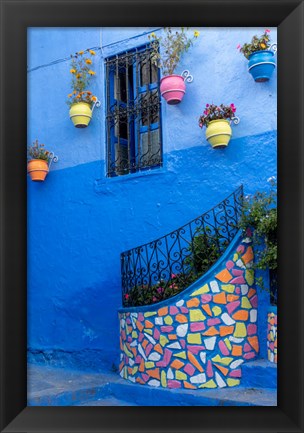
202,340
272,345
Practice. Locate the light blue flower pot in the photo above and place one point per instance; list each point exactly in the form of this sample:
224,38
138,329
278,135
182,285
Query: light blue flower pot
261,65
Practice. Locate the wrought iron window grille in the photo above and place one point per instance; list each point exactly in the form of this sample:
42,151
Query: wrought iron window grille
133,118
162,268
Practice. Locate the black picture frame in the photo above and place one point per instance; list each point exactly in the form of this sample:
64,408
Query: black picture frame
16,16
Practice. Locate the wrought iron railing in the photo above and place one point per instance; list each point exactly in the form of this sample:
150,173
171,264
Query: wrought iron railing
162,268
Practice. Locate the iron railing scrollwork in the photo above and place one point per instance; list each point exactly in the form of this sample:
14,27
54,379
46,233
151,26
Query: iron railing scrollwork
164,267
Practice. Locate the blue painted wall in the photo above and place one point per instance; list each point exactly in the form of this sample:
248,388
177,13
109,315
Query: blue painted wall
79,221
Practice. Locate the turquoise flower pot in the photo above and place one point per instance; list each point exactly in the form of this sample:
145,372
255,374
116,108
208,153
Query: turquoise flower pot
261,65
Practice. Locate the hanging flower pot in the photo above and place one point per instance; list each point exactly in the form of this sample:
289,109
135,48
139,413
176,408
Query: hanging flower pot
39,161
217,119
81,101
261,65
80,114
166,52
172,88
260,54
37,169
218,133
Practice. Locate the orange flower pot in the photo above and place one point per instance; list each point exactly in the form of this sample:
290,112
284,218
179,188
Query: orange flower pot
37,169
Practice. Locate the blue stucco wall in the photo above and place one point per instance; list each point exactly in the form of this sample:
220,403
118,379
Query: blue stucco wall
79,221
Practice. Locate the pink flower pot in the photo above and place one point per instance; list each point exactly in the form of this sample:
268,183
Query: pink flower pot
173,88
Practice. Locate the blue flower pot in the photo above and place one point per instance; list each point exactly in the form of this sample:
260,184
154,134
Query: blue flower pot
261,65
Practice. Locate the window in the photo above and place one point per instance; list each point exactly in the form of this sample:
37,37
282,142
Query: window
132,113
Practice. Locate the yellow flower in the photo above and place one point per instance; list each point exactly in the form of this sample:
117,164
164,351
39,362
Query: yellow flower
88,92
153,35
78,75
91,72
74,93
196,34
78,96
73,71
81,52
88,61
94,98
69,95
263,46
92,52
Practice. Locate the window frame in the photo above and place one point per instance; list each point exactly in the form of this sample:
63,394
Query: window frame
143,96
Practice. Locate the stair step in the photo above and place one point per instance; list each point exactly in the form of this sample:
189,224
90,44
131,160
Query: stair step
235,396
62,387
110,401
259,374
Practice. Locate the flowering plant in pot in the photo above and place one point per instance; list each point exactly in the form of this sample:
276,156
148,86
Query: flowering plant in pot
217,119
260,54
81,100
167,51
38,161
260,213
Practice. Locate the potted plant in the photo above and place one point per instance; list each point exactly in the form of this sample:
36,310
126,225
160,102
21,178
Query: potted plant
260,54
38,161
217,119
81,100
260,214
166,54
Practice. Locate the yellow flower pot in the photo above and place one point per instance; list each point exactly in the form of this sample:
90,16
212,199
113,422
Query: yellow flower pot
218,133
81,114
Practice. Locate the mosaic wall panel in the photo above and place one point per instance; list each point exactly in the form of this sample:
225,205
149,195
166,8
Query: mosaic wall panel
200,338
272,347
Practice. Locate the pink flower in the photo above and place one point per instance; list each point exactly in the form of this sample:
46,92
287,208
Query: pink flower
173,275
127,296
207,105
200,125
234,109
206,112
267,31
238,47
231,105
160,289
154,299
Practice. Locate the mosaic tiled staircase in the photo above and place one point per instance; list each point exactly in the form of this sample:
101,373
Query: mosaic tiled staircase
201,337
